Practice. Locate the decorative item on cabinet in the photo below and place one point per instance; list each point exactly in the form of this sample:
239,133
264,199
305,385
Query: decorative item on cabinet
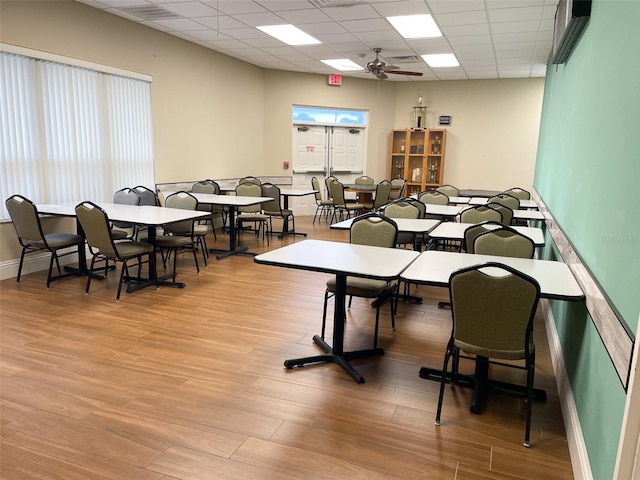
421,163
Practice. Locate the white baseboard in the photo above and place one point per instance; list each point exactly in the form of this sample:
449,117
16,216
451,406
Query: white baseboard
35,262
575,439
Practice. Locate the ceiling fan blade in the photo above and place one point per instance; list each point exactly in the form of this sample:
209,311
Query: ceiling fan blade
381,75
388,68
404,72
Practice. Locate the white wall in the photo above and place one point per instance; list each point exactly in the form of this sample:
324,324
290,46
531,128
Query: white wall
217,117
492,141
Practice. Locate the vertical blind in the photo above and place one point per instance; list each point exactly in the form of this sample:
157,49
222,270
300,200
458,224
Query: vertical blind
69,134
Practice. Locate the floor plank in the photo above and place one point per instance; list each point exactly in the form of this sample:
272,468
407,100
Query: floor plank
189,384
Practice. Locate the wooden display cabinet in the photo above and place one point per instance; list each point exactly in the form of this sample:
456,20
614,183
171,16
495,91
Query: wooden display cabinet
417,155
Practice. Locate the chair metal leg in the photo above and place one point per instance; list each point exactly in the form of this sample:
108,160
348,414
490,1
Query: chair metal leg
447,354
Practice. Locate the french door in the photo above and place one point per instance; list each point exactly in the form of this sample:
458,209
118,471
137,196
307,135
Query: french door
323,150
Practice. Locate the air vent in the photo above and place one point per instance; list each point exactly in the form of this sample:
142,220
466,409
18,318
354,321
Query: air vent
336,3
404,59
150,12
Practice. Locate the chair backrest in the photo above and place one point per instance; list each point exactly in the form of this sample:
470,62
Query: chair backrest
315,185
327,183
398,187
185,201
473,231
519,193
433,197
504,241
401,209
418,204
337,193
147,196
249,190
24,215
479,214
273,192
126,196
506,212
507,200
374,229
493,307
364,180
206,186
448,190
95,224
249,179
383,190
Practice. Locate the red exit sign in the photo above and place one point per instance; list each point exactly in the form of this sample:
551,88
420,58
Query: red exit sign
335,79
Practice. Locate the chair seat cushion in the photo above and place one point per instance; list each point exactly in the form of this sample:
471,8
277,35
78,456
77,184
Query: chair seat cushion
58,240
361,287
494,352
252,217
171,241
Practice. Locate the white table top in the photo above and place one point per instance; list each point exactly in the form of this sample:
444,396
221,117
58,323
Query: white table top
459,200
528,215
483,201
341,258
140,215
408,225
455,231
435,267
296,192
444,210
229,200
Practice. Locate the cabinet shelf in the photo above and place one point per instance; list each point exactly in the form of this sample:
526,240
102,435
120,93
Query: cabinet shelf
418,157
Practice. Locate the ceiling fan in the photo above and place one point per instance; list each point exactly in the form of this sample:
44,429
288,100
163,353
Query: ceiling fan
380,68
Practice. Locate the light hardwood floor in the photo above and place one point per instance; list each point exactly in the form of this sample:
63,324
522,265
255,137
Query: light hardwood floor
189,384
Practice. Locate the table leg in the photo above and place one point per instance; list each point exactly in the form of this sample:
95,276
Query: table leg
336,354
153,271
481,384
233,250
285,225
82,269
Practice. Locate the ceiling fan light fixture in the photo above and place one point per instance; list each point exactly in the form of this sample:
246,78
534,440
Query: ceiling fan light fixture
289,34
441,60
342,64
415,26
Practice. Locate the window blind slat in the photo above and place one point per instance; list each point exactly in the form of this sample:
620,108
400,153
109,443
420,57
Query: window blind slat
70,134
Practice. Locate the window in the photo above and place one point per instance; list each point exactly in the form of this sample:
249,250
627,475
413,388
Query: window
69,134
328,116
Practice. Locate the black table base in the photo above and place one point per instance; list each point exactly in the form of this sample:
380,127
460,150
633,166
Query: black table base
481,384
340,359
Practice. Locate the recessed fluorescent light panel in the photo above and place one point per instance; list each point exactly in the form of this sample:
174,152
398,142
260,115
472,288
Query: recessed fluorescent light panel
342,64
289,34
415,26
441,60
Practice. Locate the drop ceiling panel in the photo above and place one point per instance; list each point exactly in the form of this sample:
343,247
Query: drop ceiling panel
490,38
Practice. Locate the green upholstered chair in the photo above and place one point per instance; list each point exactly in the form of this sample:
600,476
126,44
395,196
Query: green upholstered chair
398,186
492,307
519,193
381,198
323,206
340,206
253,213
479,214
188,228
273,209
96,226
379,231
25,219
448,190
505,242
124,230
